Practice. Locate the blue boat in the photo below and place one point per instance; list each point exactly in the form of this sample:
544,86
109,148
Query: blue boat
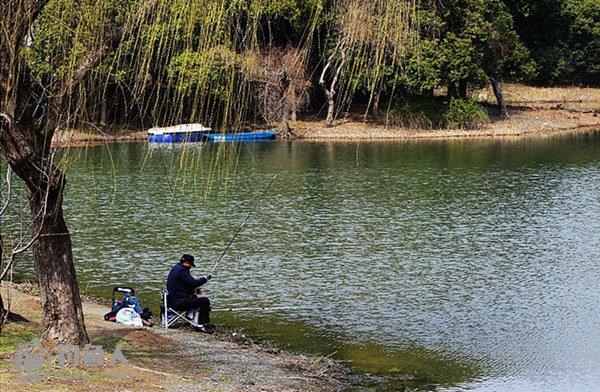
241,136
183,133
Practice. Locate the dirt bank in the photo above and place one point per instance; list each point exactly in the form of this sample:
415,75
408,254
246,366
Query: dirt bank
78,138
172,360
522,122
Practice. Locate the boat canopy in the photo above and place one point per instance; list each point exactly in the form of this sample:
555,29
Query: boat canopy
181,128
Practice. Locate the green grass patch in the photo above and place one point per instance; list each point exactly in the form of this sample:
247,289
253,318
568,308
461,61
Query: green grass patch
14,334
465,114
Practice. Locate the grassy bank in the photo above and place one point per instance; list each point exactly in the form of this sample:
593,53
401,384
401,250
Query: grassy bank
163,360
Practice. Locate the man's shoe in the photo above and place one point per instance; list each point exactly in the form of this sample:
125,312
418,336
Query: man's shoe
205,328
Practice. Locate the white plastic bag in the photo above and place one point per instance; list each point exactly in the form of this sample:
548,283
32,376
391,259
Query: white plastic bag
129,316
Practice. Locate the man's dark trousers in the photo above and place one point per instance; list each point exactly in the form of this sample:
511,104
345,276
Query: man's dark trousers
193,303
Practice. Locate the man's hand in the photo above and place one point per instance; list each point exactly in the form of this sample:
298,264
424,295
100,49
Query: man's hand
208,277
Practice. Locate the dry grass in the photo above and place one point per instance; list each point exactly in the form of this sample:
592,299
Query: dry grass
89,138
572,97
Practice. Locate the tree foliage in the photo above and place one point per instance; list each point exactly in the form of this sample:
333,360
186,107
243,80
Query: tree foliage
207,58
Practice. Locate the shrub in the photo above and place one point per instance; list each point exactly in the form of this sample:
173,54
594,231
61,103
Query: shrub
415,112
465,114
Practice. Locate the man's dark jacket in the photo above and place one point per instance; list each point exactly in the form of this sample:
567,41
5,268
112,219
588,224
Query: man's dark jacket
181,285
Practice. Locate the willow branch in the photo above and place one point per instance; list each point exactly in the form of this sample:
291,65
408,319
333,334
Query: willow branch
8,189
112,42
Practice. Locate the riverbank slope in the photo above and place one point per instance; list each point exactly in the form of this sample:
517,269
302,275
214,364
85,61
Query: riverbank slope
169,360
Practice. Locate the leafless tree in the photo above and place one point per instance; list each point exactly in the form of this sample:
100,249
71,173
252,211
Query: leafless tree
282,86
330,76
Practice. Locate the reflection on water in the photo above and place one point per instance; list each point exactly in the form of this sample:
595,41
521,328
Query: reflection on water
463,264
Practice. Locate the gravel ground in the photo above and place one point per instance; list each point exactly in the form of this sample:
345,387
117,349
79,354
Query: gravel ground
171,360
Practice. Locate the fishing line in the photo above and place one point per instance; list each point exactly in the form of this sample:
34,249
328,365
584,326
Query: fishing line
252,210
295,307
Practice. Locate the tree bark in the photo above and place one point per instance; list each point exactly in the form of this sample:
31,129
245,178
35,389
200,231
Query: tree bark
330,110
330,92
2,309
502,108
52,252
27,152
104,111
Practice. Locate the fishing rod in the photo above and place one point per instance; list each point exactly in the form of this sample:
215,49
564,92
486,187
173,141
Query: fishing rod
295,307
251,211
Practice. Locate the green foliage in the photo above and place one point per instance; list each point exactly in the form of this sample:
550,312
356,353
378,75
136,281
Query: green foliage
563,37
465,114
212,67
585,40
416,112
423,70
204,57
298,12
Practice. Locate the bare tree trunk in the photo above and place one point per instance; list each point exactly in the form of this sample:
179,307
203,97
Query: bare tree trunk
2,309
502,109
285,86
330,92
27,152
52,252
286,130
376,102
294,109
104,111
330,110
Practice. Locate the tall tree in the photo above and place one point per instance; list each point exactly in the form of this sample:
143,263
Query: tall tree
30,112
473,42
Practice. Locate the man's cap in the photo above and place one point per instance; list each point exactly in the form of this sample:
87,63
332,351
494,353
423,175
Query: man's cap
189,258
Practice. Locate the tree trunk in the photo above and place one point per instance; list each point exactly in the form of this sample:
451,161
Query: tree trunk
502,109
286,131
330,92
452,92
27,152
27,125
104,111
463,85
376,102
2,309
330,110
53,259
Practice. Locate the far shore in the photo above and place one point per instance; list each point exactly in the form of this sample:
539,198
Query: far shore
522,122
533,111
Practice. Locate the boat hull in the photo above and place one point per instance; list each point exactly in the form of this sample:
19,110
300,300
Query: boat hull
241,137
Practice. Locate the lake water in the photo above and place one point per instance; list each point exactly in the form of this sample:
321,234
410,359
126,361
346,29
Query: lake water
467,264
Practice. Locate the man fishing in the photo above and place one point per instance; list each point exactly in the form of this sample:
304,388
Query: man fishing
183,291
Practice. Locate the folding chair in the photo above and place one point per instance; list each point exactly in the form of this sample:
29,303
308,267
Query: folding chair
170,316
